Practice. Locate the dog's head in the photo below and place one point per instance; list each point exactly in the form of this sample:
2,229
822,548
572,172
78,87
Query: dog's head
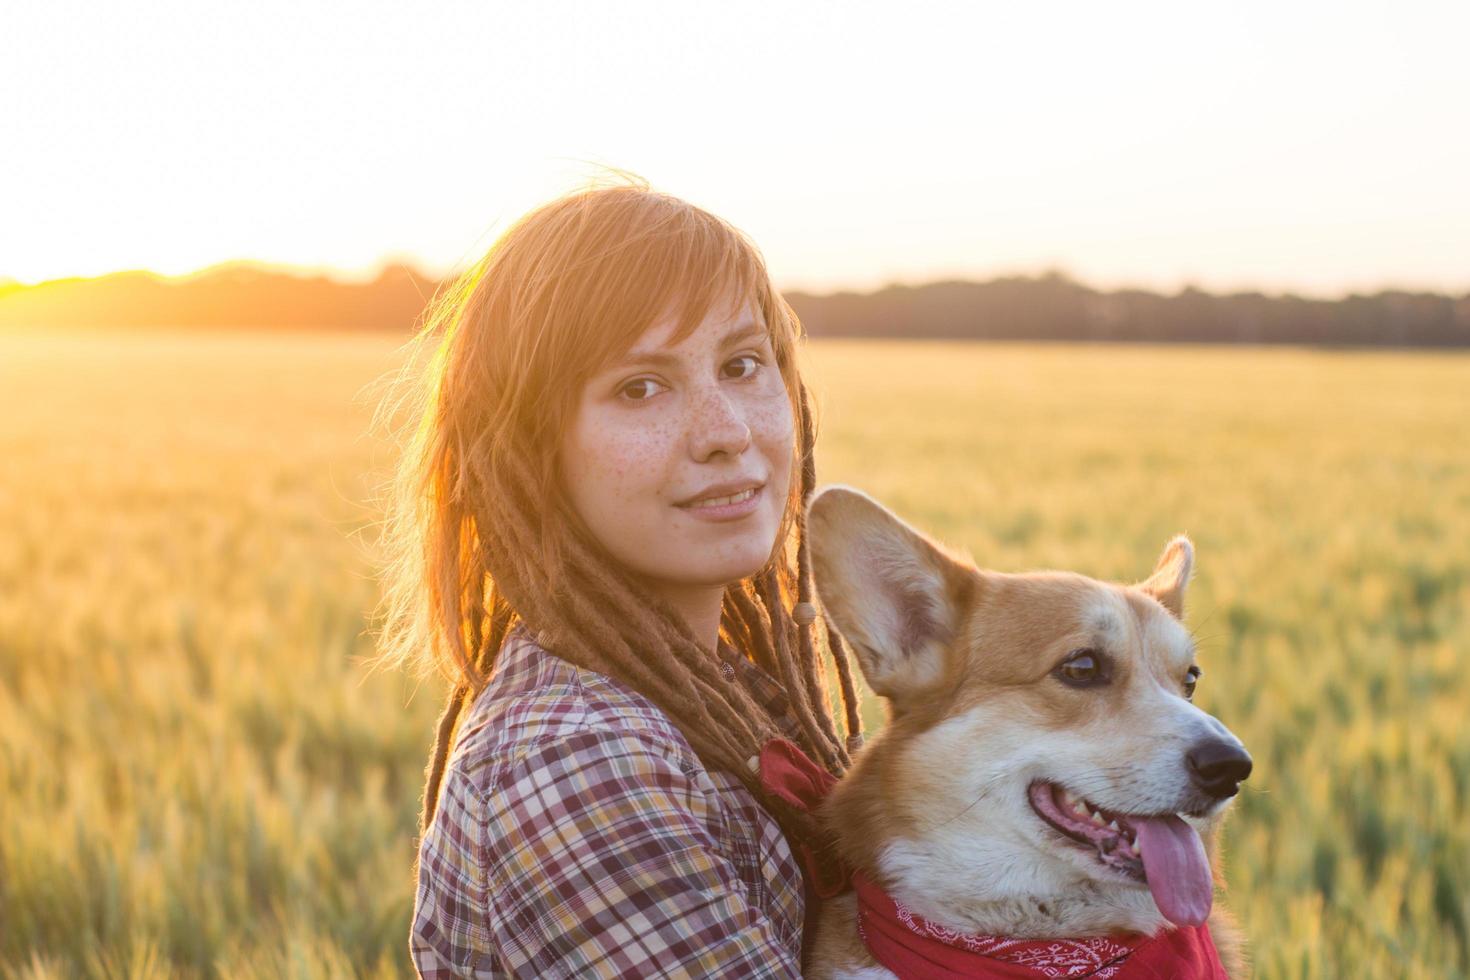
1044,765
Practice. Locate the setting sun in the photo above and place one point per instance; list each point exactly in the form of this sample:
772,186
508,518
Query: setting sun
1310,147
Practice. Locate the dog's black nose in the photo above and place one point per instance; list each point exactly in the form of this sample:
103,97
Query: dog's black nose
1218,767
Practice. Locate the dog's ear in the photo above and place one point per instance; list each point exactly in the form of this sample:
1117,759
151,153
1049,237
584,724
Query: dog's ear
887,589
1171,575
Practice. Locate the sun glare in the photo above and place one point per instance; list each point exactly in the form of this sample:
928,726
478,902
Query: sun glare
1153,146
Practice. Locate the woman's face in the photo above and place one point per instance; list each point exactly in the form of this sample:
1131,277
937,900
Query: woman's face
678,457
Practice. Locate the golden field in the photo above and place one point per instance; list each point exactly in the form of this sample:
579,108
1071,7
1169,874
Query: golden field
198,777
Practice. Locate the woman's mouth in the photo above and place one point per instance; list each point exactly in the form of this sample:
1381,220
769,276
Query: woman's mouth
728,507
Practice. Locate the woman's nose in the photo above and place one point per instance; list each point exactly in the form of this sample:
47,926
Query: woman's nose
716,425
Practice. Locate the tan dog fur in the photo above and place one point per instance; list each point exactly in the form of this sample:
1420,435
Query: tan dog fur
934,807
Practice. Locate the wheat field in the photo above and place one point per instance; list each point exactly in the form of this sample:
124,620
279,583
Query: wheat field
199,778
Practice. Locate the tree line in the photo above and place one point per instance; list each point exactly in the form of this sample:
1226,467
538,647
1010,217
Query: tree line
1051,306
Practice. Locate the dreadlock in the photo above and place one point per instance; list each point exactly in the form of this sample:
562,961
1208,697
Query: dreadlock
480,539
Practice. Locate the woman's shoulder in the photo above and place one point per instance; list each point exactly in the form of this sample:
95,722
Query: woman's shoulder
534,699
577,833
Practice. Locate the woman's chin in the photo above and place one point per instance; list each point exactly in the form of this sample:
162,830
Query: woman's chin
705,555
725,573
717,572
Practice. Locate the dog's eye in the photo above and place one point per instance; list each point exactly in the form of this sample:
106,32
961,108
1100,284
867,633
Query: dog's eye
1082,668
1190,678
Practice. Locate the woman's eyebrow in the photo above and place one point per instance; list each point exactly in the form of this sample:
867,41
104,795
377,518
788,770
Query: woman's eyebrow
748,329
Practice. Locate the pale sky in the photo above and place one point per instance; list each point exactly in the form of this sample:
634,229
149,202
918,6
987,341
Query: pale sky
1313,147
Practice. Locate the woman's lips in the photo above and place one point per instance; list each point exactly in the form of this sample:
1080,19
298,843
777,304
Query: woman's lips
726,508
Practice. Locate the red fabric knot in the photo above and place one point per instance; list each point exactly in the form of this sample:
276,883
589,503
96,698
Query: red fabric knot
789,774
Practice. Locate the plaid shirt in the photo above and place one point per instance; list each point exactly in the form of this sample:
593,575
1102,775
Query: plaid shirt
578,835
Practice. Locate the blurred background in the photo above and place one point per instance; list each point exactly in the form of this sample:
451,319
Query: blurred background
1076,277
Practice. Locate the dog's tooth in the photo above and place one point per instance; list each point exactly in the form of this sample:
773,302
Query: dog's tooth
1080,807
1097,819
1115,827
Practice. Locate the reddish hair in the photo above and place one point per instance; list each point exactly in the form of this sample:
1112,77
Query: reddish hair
480,531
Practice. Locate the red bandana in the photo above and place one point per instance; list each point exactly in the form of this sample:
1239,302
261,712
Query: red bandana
914,947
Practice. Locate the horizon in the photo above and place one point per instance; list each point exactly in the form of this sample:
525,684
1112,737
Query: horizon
368,277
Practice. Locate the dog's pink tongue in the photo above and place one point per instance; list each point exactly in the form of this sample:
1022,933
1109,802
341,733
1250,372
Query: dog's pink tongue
1177,869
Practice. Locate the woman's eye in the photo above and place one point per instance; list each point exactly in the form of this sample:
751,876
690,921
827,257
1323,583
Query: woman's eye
745,366
640,389
1190,679
1082,668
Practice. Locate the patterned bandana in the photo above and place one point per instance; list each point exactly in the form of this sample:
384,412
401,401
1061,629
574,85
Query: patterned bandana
915,948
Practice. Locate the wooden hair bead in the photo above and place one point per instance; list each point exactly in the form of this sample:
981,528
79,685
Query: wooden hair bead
804,613
544,639
754,764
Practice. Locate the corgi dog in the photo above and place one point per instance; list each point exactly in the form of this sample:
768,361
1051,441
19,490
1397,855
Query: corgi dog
1045,794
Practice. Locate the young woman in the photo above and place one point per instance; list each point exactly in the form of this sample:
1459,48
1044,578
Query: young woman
597,533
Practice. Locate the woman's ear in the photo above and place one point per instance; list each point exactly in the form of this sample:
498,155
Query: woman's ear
885,587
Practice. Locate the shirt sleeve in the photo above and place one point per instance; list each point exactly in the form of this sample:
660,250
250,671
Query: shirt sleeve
599,860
